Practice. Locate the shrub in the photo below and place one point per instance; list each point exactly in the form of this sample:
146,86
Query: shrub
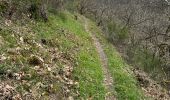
146,60
116,33
122,34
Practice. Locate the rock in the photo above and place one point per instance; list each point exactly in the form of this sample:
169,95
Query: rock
49,69
21,40
70,98
2,57
37,67
17,97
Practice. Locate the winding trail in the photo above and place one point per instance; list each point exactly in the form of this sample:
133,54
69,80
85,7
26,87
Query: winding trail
108,81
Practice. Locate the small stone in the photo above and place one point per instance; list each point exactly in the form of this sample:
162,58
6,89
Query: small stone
21,40
2,58
37,68
70,98
49,69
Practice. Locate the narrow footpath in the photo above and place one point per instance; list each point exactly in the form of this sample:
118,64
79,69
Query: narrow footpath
108,81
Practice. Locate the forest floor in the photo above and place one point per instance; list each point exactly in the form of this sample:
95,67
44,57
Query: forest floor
108,81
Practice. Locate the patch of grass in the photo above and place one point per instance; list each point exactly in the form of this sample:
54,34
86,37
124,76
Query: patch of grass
3,69
60,32
88,71
6,34
62,16
125,85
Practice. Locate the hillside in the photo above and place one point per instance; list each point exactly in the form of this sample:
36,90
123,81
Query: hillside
62,59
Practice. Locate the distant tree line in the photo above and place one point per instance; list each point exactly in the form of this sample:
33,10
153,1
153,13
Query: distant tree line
35,9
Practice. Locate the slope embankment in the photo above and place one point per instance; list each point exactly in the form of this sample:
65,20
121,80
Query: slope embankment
62,59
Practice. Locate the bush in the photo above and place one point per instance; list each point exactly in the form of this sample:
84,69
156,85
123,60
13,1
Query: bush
116,33
35,9
122,34
15,9
146,60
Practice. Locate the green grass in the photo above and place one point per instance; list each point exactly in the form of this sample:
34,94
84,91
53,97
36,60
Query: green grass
125,85
69,36
88,70
90,75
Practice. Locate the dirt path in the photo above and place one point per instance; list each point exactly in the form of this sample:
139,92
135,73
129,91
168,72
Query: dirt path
108,81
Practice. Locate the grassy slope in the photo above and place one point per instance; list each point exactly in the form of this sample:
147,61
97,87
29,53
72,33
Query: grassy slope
125,85
88,71
70,39
69,36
